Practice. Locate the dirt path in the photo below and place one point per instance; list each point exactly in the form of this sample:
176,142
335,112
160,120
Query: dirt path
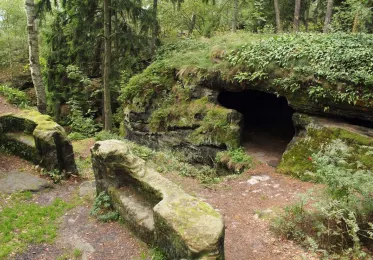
5,107
247,209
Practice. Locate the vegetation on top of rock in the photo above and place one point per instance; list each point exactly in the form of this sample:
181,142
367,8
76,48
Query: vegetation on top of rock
334,67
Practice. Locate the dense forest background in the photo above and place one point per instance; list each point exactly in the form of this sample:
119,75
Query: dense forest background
87,44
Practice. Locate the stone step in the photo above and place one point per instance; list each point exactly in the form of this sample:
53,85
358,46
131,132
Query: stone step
136,212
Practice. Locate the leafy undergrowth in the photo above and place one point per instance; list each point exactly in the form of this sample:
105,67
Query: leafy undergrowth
103,208
14,96
339,225
235,160
23,222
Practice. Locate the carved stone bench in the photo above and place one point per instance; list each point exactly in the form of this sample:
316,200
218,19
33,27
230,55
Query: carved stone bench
157,210
36,137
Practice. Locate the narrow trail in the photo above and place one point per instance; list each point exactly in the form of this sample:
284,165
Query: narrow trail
247,202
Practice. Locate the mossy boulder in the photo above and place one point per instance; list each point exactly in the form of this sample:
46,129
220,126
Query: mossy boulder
317,137
38,138
156,209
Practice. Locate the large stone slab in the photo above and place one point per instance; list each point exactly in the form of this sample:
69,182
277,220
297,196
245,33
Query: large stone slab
36,137
22,181
155,208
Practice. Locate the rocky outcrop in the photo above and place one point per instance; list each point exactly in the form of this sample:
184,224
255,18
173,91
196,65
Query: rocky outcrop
38,138
157,210
195,127
320,140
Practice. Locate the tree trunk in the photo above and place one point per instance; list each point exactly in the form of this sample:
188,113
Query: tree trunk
33,44
278,17
296,16
107,64
155,27
235,16
328,16
355,25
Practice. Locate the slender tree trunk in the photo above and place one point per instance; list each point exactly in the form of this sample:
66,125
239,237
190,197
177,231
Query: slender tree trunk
328,16
107,63
296,16
278,17
33,44
155,27
235,16
355,25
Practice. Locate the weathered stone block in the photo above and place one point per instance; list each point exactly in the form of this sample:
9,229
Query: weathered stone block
38,138
156,209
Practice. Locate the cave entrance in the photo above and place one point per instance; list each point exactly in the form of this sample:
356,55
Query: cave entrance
268,126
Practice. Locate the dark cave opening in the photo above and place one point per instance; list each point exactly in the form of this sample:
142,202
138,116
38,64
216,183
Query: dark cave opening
268,126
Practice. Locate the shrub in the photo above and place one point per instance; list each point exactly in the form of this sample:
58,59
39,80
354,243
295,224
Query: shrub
80,123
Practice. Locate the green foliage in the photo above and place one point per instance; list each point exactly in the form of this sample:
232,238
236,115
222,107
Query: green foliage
23,222
74,136
81,124
235,160
106,135
103,208
13,36
340,222
328,68
300,158
14,96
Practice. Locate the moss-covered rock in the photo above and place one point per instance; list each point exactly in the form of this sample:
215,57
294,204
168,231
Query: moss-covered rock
184,227
175,98
315,134
38,138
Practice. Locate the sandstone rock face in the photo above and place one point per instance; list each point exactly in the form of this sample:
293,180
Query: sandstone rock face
38,138
342,145
156,209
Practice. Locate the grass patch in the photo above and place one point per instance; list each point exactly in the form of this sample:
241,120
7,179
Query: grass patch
23,222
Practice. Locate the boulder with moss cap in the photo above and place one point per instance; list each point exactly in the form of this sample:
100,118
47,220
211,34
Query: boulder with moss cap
38,138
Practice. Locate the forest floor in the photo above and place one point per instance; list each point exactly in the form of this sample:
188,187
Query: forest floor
248,202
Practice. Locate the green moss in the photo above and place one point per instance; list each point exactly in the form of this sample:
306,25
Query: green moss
216,129
138,92
297,160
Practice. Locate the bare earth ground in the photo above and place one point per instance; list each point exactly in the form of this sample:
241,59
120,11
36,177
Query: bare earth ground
247,209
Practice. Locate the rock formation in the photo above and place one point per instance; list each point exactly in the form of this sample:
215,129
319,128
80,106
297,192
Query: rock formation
157,210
